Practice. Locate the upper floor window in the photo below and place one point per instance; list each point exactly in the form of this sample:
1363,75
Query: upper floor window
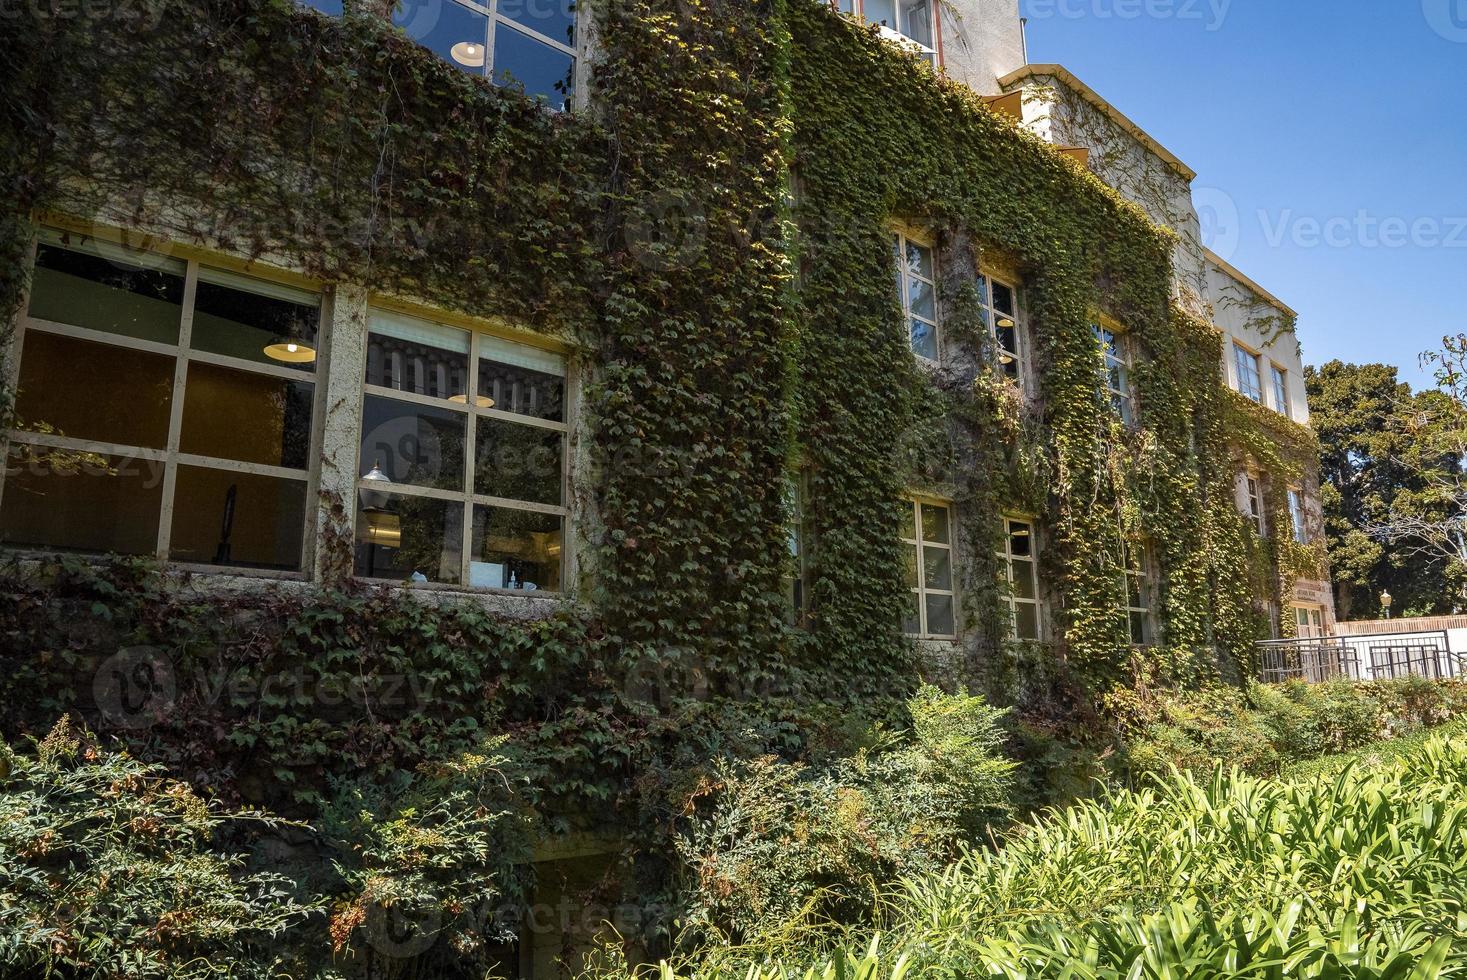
1116,370
529,45
917,283
1138,594
1255,504
1001,310
1250,383
1020,556
928,541
463,458
1280,390
164,408
910,21
1296,516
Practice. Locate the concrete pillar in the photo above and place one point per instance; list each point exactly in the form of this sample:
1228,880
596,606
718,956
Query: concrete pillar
340,373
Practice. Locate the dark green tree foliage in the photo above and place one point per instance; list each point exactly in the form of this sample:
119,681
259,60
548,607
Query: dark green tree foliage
1370,467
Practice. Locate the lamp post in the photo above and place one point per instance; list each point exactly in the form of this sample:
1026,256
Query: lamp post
1385,602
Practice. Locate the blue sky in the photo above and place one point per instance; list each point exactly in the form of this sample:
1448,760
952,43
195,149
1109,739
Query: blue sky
1337,130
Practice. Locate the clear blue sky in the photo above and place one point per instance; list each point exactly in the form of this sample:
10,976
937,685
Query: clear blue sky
1314,113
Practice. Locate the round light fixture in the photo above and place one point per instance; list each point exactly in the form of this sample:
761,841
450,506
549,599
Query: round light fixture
1005,358
1005,323
480,401
290,350
470,54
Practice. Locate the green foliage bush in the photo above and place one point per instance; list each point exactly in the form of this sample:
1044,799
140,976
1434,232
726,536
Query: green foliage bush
1263,728
774,847
1358,876
108,869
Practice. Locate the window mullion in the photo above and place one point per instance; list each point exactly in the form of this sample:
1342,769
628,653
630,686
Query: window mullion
471,386
175,409
489,41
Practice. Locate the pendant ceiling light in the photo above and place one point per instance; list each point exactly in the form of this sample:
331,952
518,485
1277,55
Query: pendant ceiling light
290,350
470,54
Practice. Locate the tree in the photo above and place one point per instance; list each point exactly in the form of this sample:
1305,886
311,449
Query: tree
1428,517
1368,472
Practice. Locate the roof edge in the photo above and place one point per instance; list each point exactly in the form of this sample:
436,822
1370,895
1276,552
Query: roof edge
1094,98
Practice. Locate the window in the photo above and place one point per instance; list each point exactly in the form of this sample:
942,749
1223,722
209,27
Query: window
795,493
1280,390
917,284
1115,371
1250,384
1019,556
1002,314
527,45
908,21
1309,621
462,461
1296,516
163,408
1138,594
929,561
1256,509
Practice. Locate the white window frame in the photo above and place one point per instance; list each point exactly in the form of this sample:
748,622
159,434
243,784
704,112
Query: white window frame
1309,621
1136,564
1249,368
1257,509
1032,560
902,237
1114,346
920,590
893,32
991,316
467,497
170,457
1297,516
1279,379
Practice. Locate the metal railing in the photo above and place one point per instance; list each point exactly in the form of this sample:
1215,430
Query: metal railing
1360,658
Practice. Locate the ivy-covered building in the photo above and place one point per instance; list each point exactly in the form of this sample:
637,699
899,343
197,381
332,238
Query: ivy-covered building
786,352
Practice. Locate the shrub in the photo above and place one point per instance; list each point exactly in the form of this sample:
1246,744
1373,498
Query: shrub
107,870
775,847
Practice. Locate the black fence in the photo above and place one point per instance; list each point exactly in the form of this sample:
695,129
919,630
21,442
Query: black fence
1360,658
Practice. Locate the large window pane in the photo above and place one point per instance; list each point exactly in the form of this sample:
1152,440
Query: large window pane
522,390
409,538
934,524
937,568
255,321
924,339
940,615
1023,579
1026,621
239,519
916,18
414,444
537,69
71,502
420,357
250,417
450,30
94,391
517,462
108,288
556,19
515,549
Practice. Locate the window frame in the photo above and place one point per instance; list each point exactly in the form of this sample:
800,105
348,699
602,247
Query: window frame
1243,358
1297,517
857,8
471,412
1032,559
1142,570
183,355
1257,506
1020,355
1279,381
1309,621
904,236
920,590
1117,352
